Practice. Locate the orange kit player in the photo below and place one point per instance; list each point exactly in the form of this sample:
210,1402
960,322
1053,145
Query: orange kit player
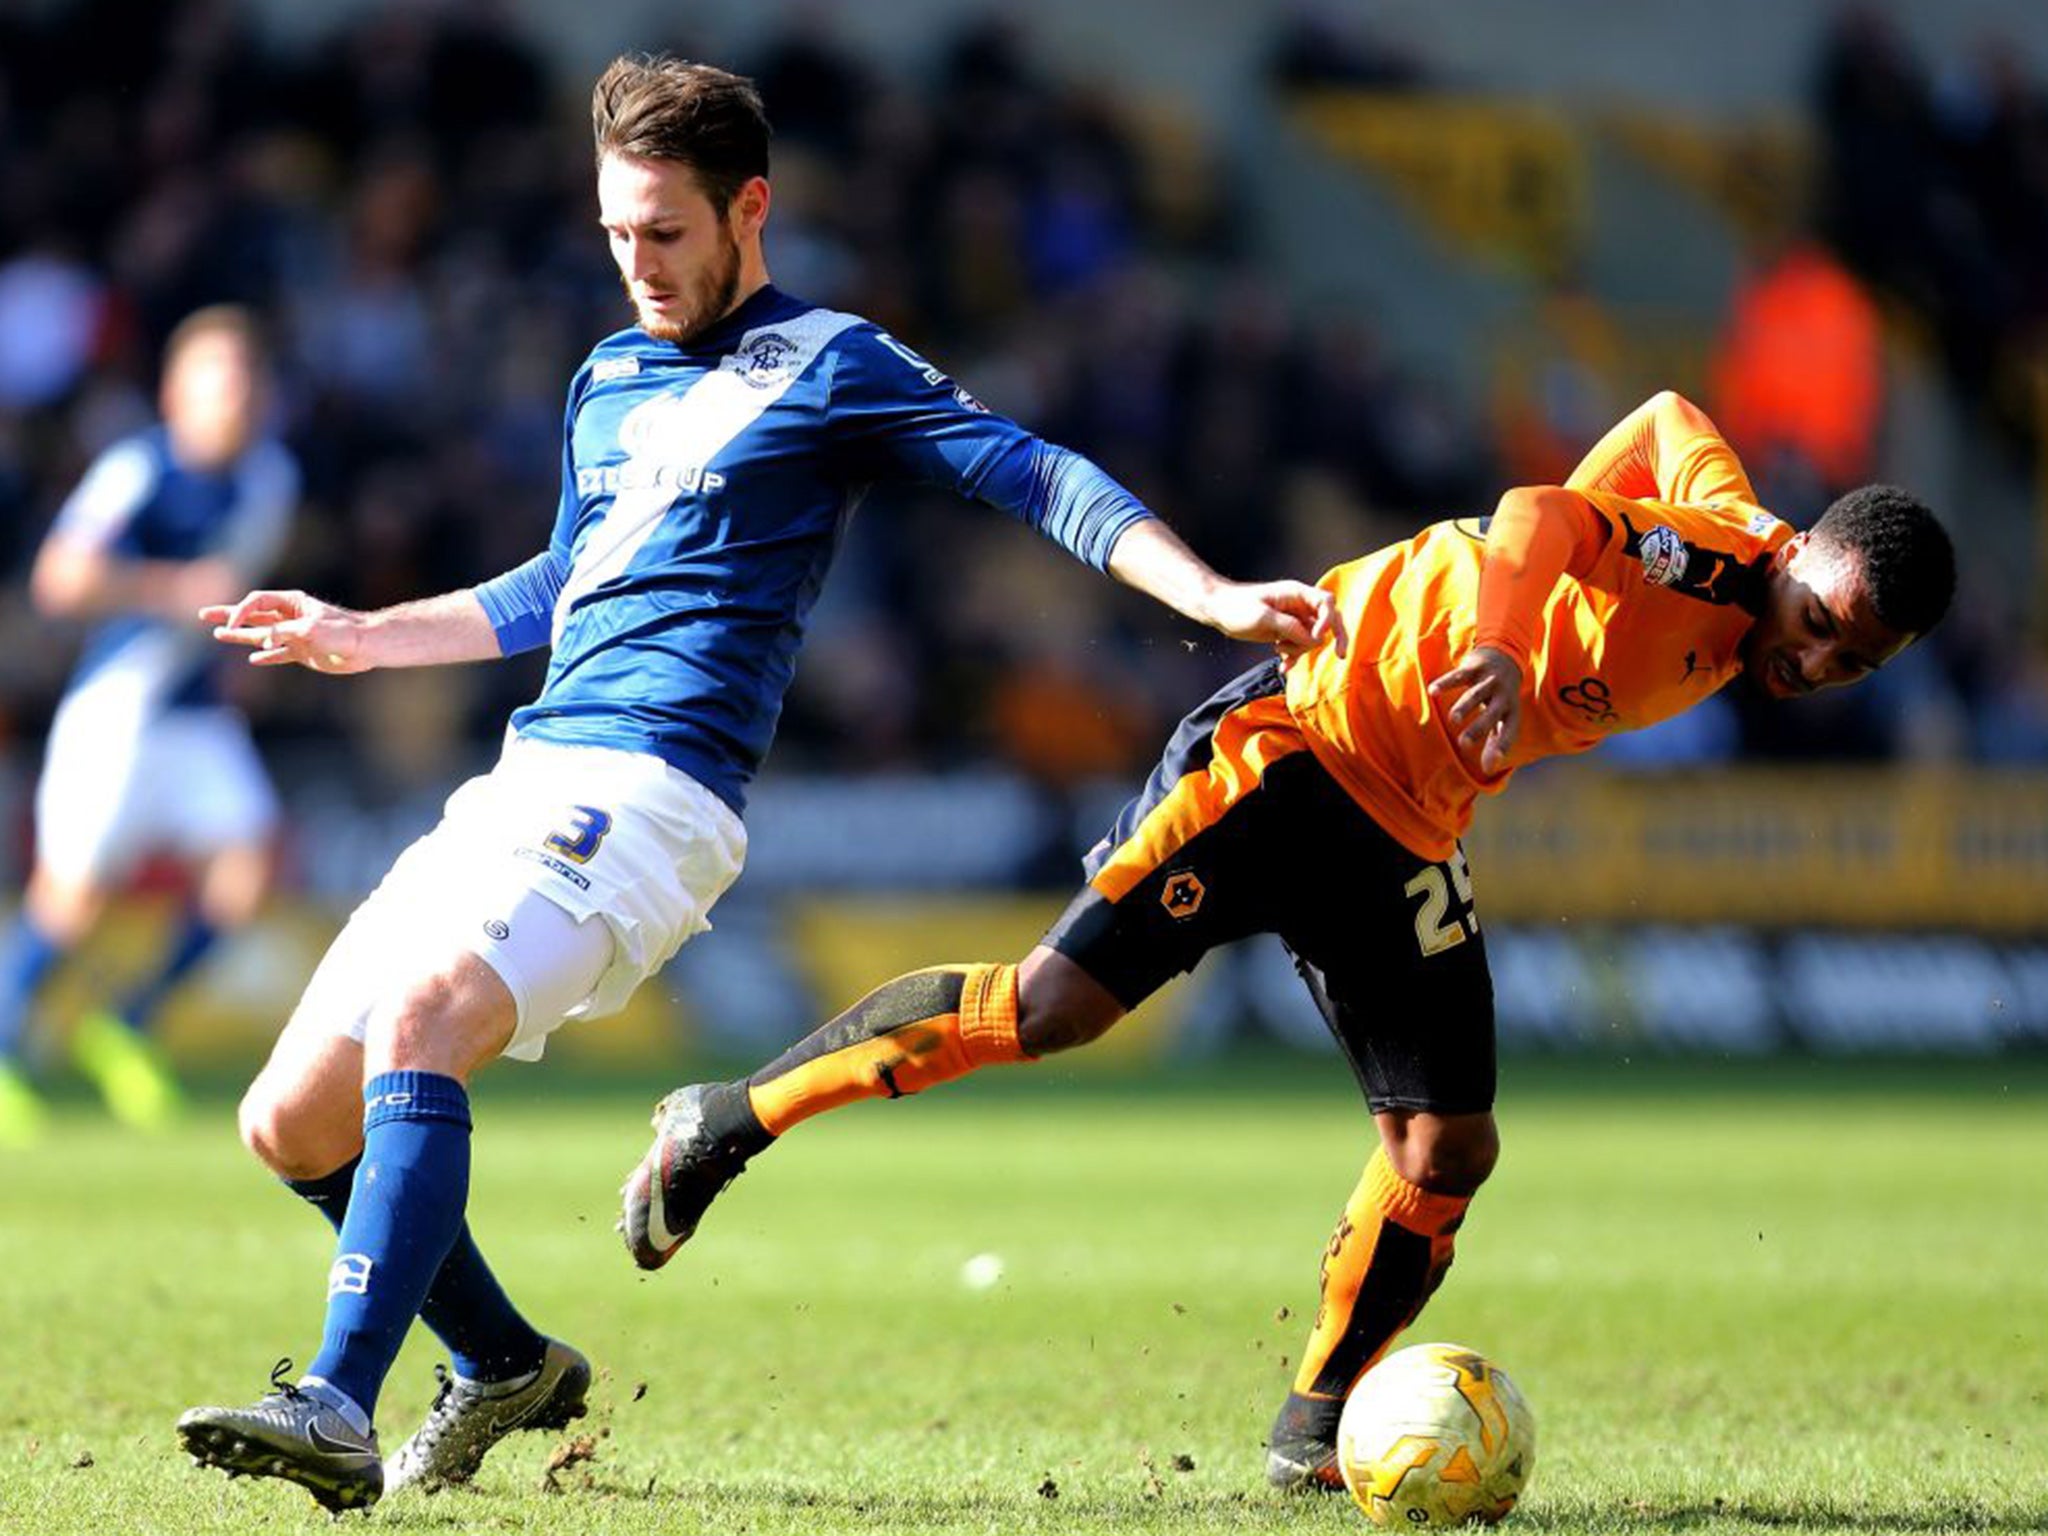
1648,582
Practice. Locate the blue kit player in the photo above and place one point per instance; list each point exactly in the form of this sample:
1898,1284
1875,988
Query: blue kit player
711,456
144,756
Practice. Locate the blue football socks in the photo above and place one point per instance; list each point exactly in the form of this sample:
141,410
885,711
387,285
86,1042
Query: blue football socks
466,1308
27,955
404,1211
195,938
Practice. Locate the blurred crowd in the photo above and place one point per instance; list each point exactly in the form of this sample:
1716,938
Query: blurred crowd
1935,186
408,204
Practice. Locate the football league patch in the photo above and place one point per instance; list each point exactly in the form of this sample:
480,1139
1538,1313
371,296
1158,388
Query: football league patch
1664,556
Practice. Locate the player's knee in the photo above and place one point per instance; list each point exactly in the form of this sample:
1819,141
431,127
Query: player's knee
1446,1155
1056,1012
1041,1031
291,1137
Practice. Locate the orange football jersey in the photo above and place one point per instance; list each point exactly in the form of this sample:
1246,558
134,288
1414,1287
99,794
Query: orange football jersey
1666,570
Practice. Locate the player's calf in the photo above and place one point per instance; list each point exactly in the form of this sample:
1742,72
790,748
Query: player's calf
923,1028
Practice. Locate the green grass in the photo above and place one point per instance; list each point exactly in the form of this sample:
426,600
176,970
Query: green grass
1779,1296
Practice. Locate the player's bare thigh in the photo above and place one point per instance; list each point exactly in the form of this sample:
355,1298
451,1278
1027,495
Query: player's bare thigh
303,1115
451,1021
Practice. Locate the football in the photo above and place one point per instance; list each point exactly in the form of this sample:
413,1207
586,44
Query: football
1436,1434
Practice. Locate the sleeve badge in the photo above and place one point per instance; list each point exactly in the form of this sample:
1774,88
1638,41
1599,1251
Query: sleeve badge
1664,556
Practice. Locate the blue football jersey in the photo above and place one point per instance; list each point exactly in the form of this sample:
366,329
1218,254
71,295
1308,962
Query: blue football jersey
704,490
138,502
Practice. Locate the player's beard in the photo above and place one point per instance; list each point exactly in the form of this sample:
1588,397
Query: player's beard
711,296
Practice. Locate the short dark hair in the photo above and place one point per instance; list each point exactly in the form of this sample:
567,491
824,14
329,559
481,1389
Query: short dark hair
1907,558
656,107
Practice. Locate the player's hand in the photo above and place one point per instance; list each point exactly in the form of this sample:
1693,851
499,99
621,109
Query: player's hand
283,629
1485,693
1290,615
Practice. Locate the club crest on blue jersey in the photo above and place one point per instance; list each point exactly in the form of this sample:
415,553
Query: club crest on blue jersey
761,361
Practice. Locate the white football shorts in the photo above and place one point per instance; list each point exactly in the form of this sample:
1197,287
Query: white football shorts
575,873
117,788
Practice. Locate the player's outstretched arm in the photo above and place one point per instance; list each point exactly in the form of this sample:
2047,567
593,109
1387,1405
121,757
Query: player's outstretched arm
78,579
1290,615
284,628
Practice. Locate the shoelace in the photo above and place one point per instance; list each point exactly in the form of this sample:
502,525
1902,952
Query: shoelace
279,1387
437,1423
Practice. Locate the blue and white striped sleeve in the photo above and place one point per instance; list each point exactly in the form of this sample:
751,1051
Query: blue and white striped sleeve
901,418
112,491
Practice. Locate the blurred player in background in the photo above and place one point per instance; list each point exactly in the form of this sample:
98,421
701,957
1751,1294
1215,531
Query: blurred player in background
1322,799
144,756
711,456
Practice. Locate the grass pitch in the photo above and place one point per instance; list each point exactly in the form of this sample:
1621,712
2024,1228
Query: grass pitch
1757,1298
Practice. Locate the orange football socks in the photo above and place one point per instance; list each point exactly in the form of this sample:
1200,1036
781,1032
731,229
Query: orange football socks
907,1034
1389,1252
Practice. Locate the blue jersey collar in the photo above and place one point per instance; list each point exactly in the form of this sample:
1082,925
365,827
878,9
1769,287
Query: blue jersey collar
763,305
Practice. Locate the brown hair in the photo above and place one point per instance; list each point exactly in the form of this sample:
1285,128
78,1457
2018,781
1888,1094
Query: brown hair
230,320
655,107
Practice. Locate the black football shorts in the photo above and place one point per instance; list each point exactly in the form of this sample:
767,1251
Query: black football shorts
1387,942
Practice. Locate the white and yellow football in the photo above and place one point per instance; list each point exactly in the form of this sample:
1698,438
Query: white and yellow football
1436,1434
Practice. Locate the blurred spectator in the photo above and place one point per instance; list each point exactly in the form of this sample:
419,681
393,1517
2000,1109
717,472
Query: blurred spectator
1559,389
51,309
1798,378
1941,201
1326,45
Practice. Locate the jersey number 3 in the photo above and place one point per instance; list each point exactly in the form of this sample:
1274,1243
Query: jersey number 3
1438,885
588,829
